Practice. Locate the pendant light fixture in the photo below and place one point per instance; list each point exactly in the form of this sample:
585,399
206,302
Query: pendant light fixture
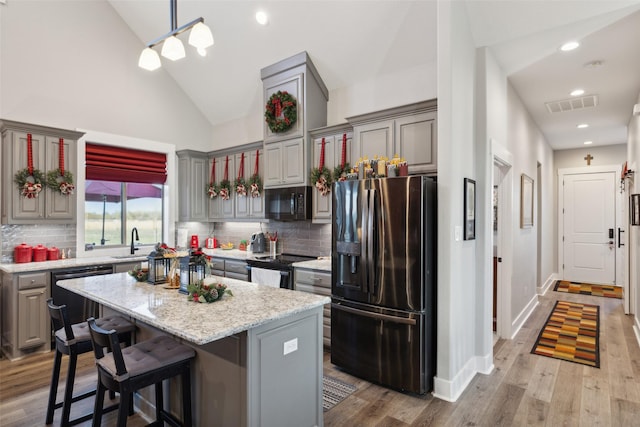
200,37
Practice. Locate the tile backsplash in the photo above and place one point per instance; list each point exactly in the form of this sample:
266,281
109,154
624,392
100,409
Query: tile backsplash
295,237
63,236
298,237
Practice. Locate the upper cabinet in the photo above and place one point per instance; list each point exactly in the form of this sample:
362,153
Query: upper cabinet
192,176
291,88
334,138
48,147
409,131
250,205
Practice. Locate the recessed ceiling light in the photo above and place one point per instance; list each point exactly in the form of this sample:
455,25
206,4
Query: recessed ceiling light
262,17
588,142
582,126
577,92
569,46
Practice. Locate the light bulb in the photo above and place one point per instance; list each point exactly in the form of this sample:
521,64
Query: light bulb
200,36
262,18
173,49
149,59
202,51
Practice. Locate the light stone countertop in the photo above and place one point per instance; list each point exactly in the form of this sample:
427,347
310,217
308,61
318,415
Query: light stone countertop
68,263
316,264
230,253
199,323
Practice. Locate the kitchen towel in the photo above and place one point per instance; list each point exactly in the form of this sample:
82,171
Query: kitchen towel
263,276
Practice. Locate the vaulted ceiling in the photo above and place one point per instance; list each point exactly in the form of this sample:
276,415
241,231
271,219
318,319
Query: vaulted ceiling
351,41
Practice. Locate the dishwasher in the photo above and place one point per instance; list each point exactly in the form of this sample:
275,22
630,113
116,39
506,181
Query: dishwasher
79,308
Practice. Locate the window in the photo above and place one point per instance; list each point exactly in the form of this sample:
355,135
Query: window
113,208
123,189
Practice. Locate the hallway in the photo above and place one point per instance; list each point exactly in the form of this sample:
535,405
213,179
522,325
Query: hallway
523,389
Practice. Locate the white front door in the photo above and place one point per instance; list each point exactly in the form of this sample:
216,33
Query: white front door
589,227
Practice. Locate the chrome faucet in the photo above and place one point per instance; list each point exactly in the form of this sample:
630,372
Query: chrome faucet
133,248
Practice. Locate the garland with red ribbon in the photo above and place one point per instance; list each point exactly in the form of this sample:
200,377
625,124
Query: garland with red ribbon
225,185
340,172
321,176
240,184
29,180
213,188
255,181
281,112
61,180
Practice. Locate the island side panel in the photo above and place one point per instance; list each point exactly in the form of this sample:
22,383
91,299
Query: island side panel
285,372
218,380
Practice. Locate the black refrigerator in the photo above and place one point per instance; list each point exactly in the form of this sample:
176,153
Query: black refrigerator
383,263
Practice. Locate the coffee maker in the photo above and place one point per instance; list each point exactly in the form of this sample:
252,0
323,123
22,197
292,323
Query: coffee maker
258,242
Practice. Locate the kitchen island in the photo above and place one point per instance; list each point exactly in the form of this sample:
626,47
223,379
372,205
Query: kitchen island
259,352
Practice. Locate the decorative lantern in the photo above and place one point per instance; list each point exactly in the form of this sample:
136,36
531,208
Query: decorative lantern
191,271
158,269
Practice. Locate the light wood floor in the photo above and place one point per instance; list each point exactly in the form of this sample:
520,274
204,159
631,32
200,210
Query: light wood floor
523,389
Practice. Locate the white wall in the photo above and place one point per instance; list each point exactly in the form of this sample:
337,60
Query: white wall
72,64
633,154
603,155
457,296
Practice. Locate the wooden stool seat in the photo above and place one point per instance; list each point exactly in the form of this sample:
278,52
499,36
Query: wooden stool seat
72,340
128,369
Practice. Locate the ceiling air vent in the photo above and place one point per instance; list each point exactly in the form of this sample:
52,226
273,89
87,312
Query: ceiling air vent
572,104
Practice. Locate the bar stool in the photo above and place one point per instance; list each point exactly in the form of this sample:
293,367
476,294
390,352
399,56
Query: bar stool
72,340
128,369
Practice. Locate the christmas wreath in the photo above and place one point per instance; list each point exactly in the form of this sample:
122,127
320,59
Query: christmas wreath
61,182
255,183
340,172
212,190
321,178
281,112
241,186
29,183
225,189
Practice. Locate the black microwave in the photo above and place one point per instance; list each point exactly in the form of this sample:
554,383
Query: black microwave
288,204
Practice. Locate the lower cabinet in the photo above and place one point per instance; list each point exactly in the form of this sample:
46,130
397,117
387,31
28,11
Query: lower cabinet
25,319
232,268
317,282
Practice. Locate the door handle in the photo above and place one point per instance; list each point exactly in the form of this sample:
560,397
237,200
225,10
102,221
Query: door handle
620,231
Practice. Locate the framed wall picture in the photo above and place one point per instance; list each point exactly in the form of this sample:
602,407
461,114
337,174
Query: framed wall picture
469,209
526,201
634,209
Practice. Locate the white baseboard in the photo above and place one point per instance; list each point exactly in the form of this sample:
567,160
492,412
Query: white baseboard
450,390
547,284
523,316
636,328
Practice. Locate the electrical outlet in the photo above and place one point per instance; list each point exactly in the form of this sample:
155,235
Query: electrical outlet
290,346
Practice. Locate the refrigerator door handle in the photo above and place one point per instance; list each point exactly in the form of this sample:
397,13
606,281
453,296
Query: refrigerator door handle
378,316
371,261
364,239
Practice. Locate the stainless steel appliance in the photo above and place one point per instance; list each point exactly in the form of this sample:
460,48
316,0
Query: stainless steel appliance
384,281
288,204
282,263
257,243
79,308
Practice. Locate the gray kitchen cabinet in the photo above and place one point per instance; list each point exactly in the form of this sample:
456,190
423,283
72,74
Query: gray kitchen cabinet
219,208
25,319
317,282
284,163
249,206
229,267
192,186
333,137
49,206
409,131
288,154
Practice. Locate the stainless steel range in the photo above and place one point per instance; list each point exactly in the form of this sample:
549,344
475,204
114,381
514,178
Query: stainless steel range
281,263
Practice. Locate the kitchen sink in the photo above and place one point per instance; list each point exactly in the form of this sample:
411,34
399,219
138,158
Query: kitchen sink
127,256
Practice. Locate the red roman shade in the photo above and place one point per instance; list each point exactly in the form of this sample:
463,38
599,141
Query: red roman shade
108,163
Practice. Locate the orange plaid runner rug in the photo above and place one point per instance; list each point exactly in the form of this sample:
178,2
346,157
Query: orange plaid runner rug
571,333
608,291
